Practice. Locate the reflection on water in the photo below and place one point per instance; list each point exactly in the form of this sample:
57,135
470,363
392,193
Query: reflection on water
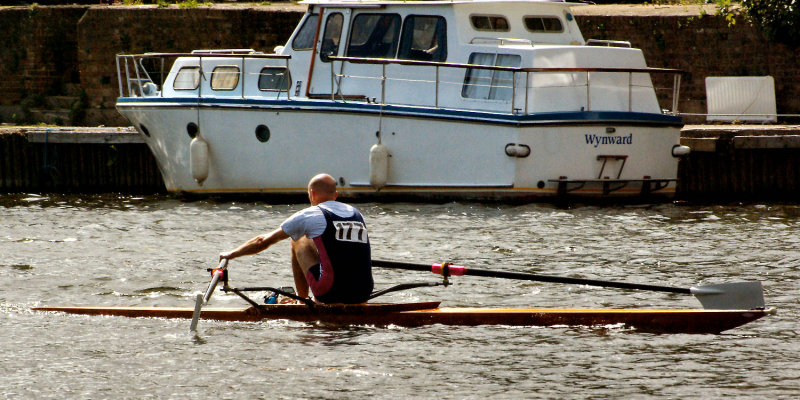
154,251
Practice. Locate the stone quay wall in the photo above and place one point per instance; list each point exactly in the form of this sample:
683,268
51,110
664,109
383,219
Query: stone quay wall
68,52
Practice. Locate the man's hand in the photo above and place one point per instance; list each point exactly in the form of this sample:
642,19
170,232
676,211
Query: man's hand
226,255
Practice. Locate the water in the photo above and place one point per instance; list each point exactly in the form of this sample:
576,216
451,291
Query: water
108,250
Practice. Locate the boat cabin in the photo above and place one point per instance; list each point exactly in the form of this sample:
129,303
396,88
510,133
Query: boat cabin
425,54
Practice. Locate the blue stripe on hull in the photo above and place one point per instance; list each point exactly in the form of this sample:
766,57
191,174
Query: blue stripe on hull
558,118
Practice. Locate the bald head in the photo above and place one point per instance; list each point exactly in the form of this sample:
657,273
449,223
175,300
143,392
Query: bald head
322,188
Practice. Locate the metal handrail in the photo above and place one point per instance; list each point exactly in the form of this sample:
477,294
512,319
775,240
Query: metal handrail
362,60
123,68
514,70
137,59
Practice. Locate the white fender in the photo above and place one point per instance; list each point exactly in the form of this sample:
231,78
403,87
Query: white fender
198,159
378,166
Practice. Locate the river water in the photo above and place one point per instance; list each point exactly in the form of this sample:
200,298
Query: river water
153,251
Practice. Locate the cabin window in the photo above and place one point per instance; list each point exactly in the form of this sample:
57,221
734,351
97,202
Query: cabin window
188,78
274,79
424,38
374,35
331,36
225,77
538,24
304,40
496,23
490,84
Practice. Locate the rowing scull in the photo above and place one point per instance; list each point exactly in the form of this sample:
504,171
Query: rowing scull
429,313
727,306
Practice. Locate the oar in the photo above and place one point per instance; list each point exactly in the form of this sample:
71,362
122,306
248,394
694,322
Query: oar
722,296
216,275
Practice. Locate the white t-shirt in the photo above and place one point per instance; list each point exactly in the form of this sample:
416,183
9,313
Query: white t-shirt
310,222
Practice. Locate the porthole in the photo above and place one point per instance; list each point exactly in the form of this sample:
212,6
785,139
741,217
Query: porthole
191,129
262,133
144,130
540,185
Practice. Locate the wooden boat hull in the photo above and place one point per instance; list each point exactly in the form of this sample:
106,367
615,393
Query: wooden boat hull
420,314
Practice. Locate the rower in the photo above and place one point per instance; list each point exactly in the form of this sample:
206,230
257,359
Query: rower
330,247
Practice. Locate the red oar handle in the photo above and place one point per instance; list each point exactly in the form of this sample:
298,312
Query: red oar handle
448,269
216,275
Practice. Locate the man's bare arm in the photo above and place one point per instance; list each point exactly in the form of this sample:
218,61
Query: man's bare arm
255,245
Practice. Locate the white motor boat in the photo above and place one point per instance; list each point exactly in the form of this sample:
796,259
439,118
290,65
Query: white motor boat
478,99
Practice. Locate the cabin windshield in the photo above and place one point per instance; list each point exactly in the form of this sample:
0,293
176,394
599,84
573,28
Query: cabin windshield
543,24
424,39
305,38
225,77
272,79
331,36
497,23
374,36
188,78
489,84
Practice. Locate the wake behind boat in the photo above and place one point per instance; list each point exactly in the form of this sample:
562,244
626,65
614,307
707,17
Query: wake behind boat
455,99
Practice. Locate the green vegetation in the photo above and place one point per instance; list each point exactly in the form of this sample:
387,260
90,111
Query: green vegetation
192,4
779,20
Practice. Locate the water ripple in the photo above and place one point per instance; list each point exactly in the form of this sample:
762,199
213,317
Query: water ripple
114,250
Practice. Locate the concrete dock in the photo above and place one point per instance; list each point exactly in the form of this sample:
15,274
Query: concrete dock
76,159
728,163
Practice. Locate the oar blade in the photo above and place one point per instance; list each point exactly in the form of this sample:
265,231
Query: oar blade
198,304
730,296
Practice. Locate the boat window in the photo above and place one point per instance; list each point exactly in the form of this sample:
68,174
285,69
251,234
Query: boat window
225,77
543,24
188,78
424,38
330,39
304,40
490,84
497,23
374,35
274,79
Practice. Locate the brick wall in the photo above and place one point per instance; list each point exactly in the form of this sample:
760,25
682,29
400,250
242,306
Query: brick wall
138,30
38,51
704,46
43,48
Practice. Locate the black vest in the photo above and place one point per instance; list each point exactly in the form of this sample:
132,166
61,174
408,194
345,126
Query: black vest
345,258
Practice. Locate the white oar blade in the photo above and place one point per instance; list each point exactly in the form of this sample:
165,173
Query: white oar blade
730,296
198,304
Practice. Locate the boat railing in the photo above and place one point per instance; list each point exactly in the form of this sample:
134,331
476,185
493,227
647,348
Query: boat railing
608,43
501,41
136,79
523,92
144,75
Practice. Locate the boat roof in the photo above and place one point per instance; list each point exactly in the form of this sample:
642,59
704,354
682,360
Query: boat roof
414,3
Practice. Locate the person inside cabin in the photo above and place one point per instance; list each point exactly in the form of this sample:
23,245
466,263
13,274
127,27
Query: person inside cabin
330,247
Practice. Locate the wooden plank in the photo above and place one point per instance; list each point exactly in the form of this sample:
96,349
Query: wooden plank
84,136
766,142
700,145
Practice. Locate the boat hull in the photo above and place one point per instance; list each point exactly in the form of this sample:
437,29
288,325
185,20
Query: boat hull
421,314
433,153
